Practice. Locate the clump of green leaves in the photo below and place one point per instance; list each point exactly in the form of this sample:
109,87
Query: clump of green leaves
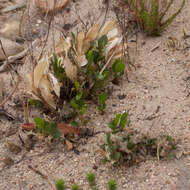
36,103
75,187
58,69
60,185
118,68
47,128
91,178
117,125
126,145
92,78
112,184
150,14
78,104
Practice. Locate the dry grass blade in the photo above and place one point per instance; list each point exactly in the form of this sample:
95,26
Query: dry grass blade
11,93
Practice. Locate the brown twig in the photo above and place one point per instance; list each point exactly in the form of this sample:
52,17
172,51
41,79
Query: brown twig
78,15
3,50
49,25
25,108
10,95
37,172
42,175
12,59
107,8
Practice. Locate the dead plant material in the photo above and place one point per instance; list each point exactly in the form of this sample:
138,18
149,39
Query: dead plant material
28,126
12,59
45,85
11,93
65,129
51,6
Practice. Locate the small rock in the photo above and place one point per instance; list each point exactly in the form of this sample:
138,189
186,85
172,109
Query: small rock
11,48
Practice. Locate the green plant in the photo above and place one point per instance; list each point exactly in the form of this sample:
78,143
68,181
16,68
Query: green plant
92,180
118,123
118,68
75,187
60,185
36,103
126,145
102,98
114,154
78,104
150,14
112,185
78,72
47,128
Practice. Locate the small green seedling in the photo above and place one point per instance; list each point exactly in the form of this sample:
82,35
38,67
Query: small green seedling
112,148
118,68
60,185
58,70
91,179
78,103
102,42
102,98
47,128
75,187
119,122
112,185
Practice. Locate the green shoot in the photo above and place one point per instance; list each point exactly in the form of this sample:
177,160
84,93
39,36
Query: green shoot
102,98
112,185
75,187
47,128
118,68
60,185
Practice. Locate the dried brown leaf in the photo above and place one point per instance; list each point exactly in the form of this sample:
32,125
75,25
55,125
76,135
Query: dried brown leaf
93,32
81,60
41,69
70,69
28,126
63,47
69,145
65,129
80,40
54,84
45,90
109,25
50,5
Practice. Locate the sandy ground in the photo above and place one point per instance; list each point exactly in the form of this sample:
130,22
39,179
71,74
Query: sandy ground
156,96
